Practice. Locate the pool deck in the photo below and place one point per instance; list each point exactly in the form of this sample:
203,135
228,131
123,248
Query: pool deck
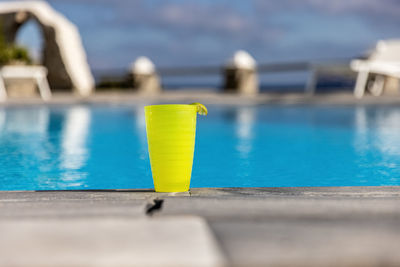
311,226
207,97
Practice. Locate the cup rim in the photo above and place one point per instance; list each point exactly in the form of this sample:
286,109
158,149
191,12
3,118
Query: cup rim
171,106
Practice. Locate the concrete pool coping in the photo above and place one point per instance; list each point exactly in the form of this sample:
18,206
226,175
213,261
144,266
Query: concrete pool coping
298,226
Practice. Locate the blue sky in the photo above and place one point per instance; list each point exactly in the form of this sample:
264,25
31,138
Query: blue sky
191,33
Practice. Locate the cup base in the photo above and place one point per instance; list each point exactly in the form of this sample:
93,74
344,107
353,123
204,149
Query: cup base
171,188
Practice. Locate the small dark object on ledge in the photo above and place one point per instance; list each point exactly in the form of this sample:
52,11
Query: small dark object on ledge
155,206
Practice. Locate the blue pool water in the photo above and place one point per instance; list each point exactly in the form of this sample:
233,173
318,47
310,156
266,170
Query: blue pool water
104,147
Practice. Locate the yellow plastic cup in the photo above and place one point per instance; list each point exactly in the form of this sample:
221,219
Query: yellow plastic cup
171,131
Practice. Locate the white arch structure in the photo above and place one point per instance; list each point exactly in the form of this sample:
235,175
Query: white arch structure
63,52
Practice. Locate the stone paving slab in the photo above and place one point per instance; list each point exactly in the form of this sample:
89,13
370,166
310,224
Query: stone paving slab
177,241
91,203
313,242
278,208
71,209
301,192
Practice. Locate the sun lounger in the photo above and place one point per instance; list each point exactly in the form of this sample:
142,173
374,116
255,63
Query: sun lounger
383,62
36,73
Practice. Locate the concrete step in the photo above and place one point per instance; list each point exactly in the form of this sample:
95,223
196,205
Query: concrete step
167,241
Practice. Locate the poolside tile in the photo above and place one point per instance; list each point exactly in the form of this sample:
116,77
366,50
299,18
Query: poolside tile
168,241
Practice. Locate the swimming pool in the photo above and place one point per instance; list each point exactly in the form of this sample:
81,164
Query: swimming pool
104,146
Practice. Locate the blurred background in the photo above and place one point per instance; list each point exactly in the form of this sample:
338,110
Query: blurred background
206,33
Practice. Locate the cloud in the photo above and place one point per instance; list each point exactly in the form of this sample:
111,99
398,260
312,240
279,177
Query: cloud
188,31
368,9
387,8
207,32
191,19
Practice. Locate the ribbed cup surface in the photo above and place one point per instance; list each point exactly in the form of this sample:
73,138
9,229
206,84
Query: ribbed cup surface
171,131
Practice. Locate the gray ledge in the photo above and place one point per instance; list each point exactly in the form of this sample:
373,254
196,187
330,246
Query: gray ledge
297,226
